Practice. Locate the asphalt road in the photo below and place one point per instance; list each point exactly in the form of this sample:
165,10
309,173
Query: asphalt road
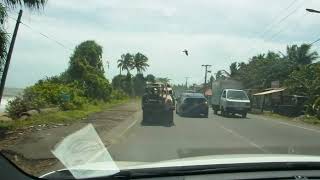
215,135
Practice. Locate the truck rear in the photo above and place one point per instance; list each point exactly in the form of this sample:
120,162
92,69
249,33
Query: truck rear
158,103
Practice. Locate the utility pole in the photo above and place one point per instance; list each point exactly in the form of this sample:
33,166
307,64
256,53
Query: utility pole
187,81
205,73
7,63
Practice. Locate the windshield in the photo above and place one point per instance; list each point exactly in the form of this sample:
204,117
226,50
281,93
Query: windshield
237,95
105,85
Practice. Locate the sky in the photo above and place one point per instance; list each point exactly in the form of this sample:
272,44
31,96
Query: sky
215,32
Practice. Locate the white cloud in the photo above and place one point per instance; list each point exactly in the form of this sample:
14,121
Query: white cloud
215,32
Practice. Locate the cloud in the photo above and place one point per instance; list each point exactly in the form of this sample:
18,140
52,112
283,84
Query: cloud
215,32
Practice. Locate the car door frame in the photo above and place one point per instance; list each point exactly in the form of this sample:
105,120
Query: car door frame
223,98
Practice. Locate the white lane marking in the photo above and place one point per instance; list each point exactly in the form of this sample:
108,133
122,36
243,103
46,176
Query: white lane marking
288,124
243,138
130,126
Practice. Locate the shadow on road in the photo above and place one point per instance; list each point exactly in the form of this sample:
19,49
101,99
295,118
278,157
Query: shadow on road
157,123
232,116
193,116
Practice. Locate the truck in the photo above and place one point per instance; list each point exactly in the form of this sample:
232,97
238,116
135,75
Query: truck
228,96
158,103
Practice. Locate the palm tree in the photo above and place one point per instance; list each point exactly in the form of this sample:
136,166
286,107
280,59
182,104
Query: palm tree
301,55
31,4
163,80
233,69
120,63
140,62
126,62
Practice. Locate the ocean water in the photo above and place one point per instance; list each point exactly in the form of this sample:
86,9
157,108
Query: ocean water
4,102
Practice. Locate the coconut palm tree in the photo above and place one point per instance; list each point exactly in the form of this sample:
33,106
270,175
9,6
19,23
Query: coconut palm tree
140,62
126,63
301,55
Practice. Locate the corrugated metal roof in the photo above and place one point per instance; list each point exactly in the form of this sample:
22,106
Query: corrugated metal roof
269,91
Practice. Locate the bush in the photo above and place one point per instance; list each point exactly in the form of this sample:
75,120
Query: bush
316,107
16,106
118,94
47,94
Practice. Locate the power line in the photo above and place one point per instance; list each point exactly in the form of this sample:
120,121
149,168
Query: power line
270,26
277,23
285,27
315,41
44,35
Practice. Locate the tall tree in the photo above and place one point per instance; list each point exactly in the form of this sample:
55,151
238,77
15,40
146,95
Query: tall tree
233,69
163,80
126,63
140,62
150,78
120,63
301,55
220,75
87,69
87,53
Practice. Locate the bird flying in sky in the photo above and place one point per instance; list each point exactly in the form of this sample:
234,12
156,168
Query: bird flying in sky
186,52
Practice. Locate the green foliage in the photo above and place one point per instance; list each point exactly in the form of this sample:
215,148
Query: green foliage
294,70
262,69
86,69
163,80
301,55
31,4
87,54
139,83
47,94
3,36
220,75
123,83
118,94
233,69
129,61
316,107
150,78
16,106
62,116
4,7
140,62
305,80
126,63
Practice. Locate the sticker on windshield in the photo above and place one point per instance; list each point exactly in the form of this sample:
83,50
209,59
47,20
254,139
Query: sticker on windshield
84,154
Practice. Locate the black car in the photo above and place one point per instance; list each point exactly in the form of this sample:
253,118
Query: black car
192,104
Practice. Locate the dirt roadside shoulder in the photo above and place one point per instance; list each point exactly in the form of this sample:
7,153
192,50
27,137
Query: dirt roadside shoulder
297,121
34,148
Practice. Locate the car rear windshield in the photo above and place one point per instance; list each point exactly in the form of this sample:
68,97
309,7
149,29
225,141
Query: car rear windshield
194,100
240,95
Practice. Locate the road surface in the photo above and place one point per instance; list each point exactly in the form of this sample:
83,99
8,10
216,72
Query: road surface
215,135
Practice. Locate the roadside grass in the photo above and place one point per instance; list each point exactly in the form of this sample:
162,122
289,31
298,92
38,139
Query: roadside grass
63,117
306,119
311,120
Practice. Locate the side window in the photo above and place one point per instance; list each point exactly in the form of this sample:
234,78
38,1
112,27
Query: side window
224,94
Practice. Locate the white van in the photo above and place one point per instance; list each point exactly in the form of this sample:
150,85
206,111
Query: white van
234,101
